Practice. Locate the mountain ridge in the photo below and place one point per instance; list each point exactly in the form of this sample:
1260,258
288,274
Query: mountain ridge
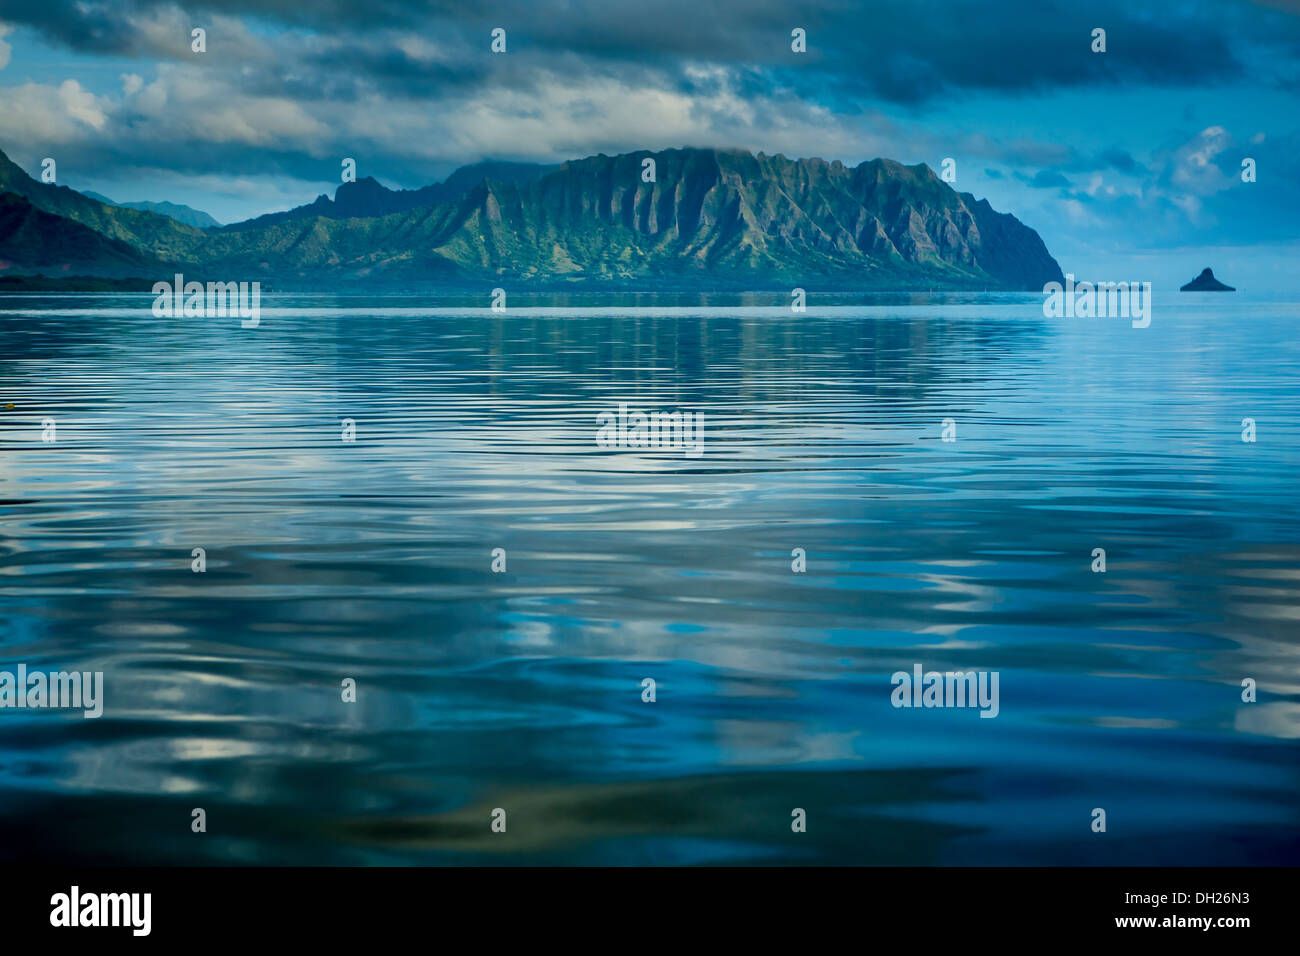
723,217
155,236
187,215
367,198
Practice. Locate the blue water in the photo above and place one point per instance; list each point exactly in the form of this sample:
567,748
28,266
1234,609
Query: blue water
521,690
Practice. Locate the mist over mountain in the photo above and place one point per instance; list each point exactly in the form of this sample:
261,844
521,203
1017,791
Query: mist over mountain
709,217
178,211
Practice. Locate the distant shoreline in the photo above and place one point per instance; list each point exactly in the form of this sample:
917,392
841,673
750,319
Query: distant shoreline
515,287
43,283
273,285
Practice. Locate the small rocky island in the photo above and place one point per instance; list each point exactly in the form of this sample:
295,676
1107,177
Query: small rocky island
1205,282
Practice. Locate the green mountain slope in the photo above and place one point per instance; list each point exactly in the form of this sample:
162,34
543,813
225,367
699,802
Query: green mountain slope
711,217
155,236
33,239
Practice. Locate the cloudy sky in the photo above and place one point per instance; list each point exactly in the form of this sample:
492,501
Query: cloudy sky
1127,162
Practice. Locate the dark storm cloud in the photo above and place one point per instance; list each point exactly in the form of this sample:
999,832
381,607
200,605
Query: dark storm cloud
287,87
907,52
1119,159
1047,179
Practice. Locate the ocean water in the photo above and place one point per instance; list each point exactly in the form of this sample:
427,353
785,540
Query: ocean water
521,690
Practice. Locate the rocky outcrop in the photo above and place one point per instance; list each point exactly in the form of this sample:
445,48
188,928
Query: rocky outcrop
1205,282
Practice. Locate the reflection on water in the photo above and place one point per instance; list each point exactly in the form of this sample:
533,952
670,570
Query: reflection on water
522,690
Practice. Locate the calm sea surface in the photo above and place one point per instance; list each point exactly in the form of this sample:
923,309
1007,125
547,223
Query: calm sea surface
522,690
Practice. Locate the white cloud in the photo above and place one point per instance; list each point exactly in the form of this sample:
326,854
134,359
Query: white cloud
166,32
37,113
191,106
419,50
5,48
188,104
80,104
1194,167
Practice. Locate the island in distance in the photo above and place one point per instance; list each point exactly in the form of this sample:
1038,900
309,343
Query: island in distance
671,219
1205,282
